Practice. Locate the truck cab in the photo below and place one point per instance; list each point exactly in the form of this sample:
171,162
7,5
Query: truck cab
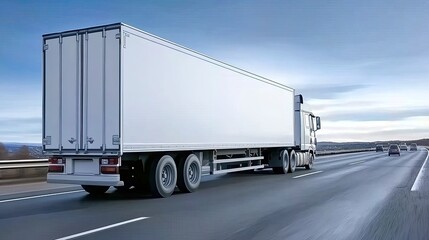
306,125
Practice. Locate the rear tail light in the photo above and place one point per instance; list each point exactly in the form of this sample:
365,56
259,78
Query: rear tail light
56,168
109,170
56,164
54,160
109,165
109,161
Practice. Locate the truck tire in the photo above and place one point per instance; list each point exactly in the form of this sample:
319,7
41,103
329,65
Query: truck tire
284,158
292,161
95,190
189,173
309,166
163,176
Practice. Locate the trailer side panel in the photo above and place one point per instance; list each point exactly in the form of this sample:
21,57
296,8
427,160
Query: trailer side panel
177,99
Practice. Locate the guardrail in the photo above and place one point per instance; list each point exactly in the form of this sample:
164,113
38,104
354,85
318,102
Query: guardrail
23,163
25,167
34,163
332,152
39,163
22,170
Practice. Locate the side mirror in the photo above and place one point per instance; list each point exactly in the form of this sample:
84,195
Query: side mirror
318,126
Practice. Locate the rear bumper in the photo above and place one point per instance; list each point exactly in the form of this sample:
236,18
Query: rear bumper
98,180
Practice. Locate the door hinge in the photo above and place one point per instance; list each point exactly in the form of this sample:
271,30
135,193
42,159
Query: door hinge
46,140
116,140
45,47
125,39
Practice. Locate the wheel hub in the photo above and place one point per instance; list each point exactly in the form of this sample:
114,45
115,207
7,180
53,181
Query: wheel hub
166,175
192,173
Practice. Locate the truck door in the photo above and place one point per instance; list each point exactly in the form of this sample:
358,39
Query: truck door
306,130
312,132
61,93
101,91
309,131
81,110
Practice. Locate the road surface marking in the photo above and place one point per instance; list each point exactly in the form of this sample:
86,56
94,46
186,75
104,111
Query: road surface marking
39,196
102,228
354,163
307,174
418,180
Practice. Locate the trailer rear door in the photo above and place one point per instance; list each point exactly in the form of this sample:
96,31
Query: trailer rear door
82,92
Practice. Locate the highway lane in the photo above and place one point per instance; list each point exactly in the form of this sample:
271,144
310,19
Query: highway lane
352,196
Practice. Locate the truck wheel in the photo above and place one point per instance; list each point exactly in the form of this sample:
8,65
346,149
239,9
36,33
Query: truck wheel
310,162
292,161
163,176
95,190
284,158
189,173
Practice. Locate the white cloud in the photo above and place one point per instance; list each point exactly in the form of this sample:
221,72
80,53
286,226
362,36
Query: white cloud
371,106
405,129
20,112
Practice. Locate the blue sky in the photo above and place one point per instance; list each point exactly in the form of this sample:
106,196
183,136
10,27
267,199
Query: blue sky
362,65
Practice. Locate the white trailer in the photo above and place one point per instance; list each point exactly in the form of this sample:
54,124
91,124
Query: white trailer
125,108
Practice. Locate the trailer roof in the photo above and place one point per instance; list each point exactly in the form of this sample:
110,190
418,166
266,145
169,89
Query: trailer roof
82,30
119,24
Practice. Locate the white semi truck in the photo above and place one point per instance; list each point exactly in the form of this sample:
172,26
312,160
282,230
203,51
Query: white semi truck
125,108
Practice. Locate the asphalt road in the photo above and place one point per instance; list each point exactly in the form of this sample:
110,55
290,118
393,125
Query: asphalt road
349,196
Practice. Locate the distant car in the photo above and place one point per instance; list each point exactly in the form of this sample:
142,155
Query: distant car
394,149
413,147
403,147
379,148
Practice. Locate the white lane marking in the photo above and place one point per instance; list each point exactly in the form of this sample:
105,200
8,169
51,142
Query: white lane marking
39,196
418,180
102,228
307,174
354,163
